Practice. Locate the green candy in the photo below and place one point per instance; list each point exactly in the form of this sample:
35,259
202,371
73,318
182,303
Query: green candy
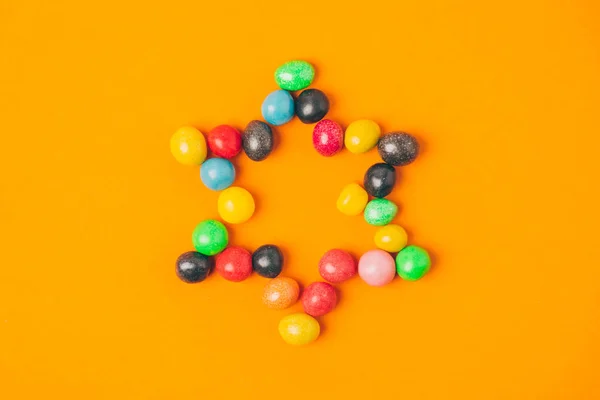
380,212
294,75
412,262
210,237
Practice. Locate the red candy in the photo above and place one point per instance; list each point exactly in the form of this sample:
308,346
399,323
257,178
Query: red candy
337,266
319,298
225,141
234,264
328,137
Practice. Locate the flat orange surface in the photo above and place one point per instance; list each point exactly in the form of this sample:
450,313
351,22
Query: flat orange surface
94,210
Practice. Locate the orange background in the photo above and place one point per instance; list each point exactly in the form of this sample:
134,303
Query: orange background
94,210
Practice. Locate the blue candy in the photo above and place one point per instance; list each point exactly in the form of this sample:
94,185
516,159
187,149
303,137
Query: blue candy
217,173
278,107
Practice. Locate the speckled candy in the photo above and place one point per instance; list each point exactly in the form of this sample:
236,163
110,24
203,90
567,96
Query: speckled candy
210,237
337,266
328,137
188,146
319,298
294,75
217,173
361,136
234,264
299,329
224,141
281,293
391,238
398,148
257,140
376,268
267,261
380,212
380,179
311,106
412,263
352,199
278,107
193,267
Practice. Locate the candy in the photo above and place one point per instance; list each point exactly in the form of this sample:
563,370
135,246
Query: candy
294,75
412,263
311,106
188,146
337,266
217,173
319,298
210,237
278,107
193,267
225,141
280,293
380,179
376,268
298,329
257,140
267,261
352,199
234,264
328,137
398,148
380,212
361,136
391,238
235,205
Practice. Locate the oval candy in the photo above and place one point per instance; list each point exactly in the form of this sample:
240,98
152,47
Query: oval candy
380,179
257,140
398,148
380,212
294,75
278,107
311,106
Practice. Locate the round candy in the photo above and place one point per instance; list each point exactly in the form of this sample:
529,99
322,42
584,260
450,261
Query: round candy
217,173
311,106
299,329
412,263
380,179
328,137
188,146
267,261
235,205
281,293
380,212
376,268
319,298
294,75
352,200
210,237
391,238
234,264
398,148
278,107
257,140
193,267
337,266
361,136
225,141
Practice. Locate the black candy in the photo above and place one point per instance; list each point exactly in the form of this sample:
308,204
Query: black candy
398,148
380,179
193,267
267,261
311,106
257,140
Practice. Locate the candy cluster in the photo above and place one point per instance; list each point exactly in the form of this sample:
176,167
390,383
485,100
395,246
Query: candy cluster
236,205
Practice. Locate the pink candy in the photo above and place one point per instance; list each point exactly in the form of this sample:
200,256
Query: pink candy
328,137
377,268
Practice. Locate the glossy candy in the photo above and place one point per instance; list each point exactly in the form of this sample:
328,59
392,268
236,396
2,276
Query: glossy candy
267,261
328,137
380,179
380,212
280,293
193,267
412,263
319,298
294,75
235,205
352,199
376,267
257,140
234,264
217,173
361,136
225,141
278,107
299,329
210,237
337,266
391,238
398,148
311,106
188,146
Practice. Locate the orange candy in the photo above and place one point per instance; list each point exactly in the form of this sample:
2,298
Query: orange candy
280,293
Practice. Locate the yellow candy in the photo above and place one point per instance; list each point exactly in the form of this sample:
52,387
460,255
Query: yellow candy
361,136
352,200
298,329
235,205
188,146
391,238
